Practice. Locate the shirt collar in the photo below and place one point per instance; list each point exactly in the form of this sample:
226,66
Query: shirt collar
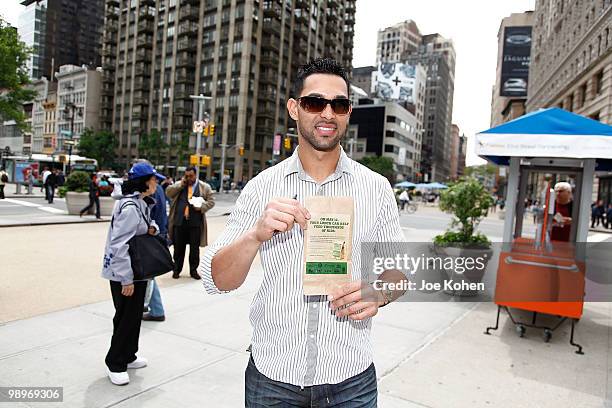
294,164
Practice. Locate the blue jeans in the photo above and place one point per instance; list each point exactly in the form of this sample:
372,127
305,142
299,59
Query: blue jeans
156,308
356,392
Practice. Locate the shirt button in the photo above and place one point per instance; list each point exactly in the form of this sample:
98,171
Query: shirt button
314,305
312,336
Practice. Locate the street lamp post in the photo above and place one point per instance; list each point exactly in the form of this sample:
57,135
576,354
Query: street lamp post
202,116
70,108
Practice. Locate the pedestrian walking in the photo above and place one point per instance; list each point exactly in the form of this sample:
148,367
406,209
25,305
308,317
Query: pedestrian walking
404,198
50,184
308,350
597,213
191,199
131,217
29,180
3,180
43,187
94,197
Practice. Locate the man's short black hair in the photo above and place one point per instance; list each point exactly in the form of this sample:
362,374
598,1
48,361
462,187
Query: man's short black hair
319,66
190,168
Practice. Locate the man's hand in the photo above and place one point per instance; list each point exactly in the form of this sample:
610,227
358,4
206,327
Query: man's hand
279,216
357,300
127,290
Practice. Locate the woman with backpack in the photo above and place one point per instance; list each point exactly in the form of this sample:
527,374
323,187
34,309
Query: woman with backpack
131,217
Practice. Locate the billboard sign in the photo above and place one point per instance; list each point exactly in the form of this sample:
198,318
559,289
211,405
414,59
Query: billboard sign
515,61
396,82
24,169
277,144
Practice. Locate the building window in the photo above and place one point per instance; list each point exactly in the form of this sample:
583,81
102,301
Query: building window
599,82
390,119
389,148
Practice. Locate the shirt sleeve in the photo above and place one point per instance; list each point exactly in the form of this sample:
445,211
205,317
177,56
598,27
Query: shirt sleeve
245,214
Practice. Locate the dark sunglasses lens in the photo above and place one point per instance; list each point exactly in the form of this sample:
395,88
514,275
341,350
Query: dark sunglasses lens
313,104
341,106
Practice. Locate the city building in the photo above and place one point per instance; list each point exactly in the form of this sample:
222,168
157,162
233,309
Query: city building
244,55
395,42
571,64
384,128
61,32
50,124
78,102
11,139
437,55
454,157
509,95
362,77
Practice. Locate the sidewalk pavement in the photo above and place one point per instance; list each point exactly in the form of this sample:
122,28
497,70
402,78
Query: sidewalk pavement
427,355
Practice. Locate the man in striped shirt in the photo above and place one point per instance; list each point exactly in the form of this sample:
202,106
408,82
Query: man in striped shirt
307,350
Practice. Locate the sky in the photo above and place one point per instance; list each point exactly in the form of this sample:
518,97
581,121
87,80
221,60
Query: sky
471,24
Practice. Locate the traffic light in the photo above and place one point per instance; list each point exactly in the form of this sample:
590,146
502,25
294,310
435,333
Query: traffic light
193,159
206,131
205,160
287,143
241,151
211,129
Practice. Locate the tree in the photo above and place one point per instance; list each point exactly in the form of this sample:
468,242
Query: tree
100,146
13,75
381,165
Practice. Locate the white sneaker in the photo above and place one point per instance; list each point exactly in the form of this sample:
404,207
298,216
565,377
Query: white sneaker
140,362
118,378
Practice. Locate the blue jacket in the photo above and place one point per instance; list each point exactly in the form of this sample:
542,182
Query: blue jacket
158,212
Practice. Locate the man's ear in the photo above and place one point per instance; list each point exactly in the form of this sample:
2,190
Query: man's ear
292,107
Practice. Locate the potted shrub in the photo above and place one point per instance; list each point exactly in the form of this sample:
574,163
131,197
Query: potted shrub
468,201
76,191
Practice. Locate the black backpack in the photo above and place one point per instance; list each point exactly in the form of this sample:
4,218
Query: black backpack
4,178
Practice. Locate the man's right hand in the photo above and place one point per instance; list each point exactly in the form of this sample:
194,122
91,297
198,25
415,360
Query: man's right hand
279,216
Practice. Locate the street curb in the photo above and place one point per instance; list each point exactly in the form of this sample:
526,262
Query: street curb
36,224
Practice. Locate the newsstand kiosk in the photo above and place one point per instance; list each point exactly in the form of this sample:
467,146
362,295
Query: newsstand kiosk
542,262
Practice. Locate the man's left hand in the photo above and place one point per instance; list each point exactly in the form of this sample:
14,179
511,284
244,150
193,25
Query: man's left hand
357,300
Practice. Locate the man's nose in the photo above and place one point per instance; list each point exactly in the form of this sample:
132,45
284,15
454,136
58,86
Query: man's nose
328,112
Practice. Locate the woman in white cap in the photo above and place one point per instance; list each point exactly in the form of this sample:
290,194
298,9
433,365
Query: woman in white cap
131,217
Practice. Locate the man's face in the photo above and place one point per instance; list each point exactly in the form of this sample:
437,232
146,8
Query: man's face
323,130
190,177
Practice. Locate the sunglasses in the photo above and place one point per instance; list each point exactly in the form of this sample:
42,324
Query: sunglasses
316,104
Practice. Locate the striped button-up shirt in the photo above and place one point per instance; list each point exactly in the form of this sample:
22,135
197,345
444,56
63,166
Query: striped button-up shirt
298,339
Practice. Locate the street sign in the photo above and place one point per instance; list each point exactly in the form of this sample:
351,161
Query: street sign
199,125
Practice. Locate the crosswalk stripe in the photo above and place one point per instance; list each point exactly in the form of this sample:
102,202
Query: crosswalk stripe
24,203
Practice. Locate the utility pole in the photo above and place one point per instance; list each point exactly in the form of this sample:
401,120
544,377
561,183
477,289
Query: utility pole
202,116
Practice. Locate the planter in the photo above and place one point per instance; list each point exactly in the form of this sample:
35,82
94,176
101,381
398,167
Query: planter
75,202
473,275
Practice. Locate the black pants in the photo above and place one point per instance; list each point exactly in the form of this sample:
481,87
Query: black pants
2,191
49,193
183,235
126,326
596,220
92,200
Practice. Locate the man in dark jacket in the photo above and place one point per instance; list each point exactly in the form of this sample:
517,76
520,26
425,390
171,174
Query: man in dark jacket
93,197
191,198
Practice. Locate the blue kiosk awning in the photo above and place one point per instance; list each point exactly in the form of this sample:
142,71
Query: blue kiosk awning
551,132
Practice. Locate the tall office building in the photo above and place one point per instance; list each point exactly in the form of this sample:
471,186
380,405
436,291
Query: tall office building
242,53
571,63
437,54
394,42
61,32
